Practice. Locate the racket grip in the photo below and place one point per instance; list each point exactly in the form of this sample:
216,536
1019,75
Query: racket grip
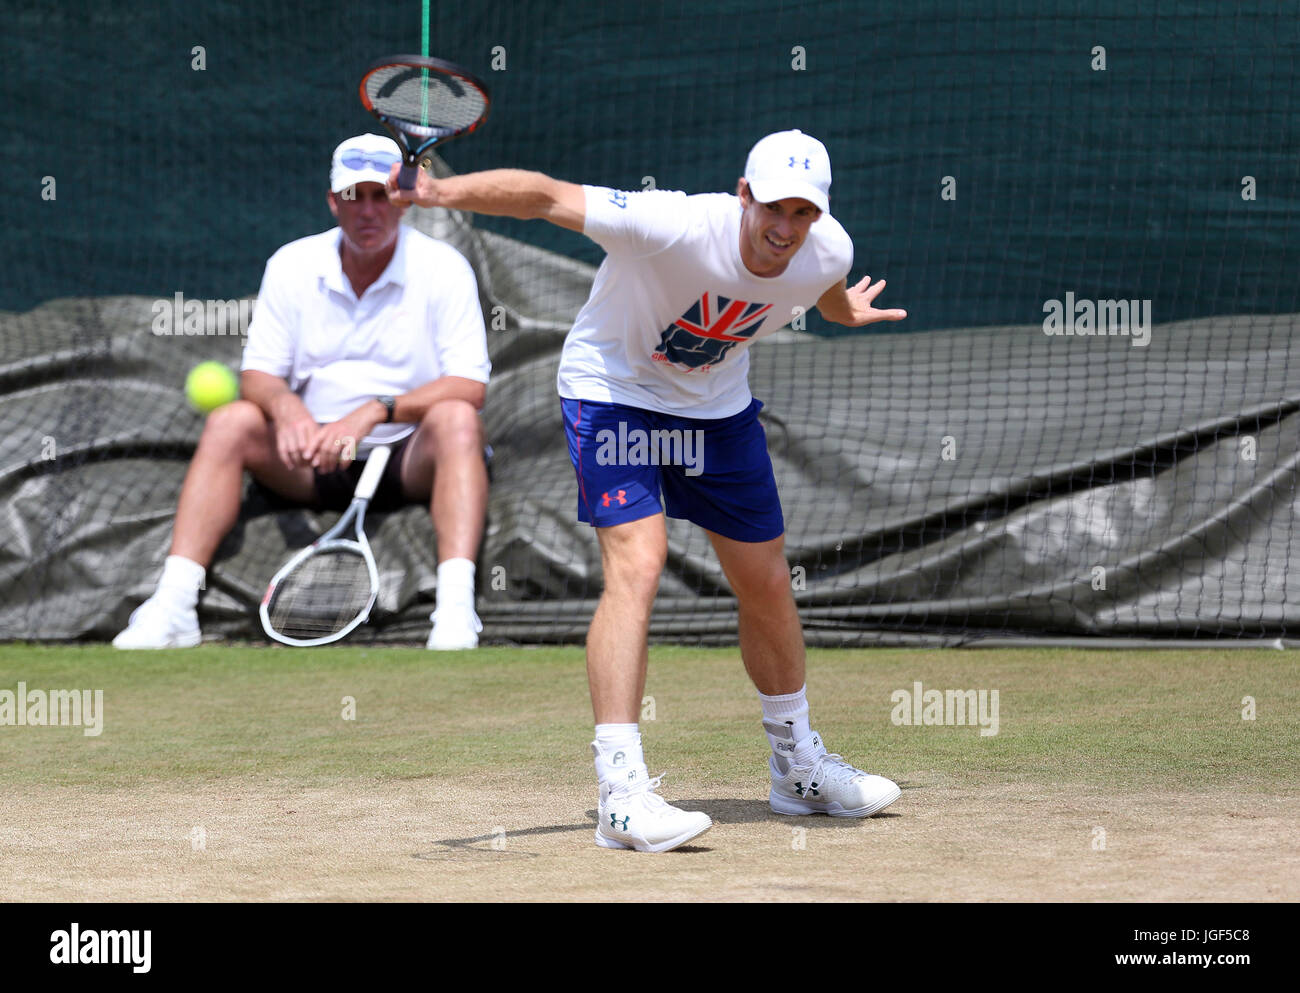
371,474
406,177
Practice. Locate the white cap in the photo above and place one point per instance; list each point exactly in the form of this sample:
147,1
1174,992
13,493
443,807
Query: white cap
789,164
369,159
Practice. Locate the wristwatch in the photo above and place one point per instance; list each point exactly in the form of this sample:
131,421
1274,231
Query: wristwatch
390,404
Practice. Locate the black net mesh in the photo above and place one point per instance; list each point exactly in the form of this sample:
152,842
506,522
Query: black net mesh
1026,176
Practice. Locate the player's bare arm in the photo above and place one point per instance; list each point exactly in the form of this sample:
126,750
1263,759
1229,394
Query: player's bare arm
854,306
501,192
296,431
411,407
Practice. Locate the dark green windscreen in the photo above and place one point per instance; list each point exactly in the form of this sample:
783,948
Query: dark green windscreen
1120,182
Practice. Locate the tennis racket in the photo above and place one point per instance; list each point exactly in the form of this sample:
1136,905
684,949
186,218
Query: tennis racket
328,588
422,102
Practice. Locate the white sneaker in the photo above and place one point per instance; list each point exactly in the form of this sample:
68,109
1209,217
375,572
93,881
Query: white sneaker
635,816
826,785
154,624
455,627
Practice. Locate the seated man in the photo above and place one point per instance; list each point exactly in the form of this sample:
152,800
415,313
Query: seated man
369,333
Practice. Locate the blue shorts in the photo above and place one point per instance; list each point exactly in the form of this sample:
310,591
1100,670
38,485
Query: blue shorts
714,472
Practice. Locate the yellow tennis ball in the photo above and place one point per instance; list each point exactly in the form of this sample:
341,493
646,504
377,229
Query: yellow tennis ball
209,385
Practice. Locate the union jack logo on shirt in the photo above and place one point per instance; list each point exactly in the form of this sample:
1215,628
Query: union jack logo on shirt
711,327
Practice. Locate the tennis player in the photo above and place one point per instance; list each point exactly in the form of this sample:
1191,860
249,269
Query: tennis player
687,285
369,333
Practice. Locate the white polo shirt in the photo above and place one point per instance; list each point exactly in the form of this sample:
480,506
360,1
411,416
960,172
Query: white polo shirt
673,309
419,321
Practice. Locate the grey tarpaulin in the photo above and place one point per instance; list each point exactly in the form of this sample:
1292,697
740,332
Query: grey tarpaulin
938,486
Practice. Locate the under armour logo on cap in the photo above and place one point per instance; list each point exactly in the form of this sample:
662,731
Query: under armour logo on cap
790,164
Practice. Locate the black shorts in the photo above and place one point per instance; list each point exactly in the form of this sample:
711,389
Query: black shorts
334,490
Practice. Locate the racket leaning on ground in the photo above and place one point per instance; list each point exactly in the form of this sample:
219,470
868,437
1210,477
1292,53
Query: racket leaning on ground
422,102
328,588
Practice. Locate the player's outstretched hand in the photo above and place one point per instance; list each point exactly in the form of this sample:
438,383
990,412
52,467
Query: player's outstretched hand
425,193
861,299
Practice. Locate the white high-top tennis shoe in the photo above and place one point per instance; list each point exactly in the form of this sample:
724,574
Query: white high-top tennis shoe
156,624
633,815
822,782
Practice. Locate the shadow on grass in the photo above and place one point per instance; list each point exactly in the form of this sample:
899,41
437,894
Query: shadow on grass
496,844
758,812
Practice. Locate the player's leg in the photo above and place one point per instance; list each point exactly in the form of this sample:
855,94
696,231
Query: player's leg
619,496
806,778
631,814
732,494
632,557
771,634
444,463
236,437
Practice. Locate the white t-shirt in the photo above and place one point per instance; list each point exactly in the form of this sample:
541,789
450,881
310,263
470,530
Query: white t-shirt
673,309
419,321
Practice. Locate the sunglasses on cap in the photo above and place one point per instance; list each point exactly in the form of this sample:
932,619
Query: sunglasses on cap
382,161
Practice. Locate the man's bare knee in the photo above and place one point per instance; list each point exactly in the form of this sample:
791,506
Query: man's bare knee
632,568
632,585
237,425
452,425
766,594
240,417
767,583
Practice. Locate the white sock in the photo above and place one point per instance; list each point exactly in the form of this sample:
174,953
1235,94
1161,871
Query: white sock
456,582
789,708
619,758
181,581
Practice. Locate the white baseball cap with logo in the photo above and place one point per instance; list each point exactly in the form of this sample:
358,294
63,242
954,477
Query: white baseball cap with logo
367,158
790,164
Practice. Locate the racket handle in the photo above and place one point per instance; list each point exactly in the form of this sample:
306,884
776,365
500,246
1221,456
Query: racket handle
406,178
370,475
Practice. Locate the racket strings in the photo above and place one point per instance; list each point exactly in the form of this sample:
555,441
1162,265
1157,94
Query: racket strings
322,596
425,97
